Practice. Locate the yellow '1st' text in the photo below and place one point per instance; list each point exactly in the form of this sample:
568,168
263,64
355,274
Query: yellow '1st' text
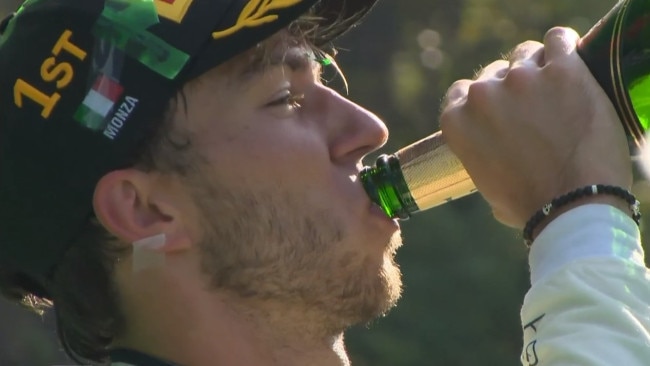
52,71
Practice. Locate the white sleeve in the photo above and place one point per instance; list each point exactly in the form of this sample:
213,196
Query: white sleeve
589,303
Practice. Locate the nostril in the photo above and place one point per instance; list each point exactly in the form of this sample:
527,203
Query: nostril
5,23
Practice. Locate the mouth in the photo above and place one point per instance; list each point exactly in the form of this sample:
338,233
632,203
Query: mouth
378,212
374,209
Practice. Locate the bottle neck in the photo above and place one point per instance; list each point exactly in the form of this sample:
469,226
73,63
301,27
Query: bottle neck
385,185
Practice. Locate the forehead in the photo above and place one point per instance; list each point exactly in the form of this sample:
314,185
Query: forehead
243,68
246,69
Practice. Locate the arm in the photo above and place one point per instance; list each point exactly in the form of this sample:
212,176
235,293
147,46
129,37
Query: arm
588,304
530,129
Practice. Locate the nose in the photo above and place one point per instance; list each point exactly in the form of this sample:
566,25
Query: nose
352,131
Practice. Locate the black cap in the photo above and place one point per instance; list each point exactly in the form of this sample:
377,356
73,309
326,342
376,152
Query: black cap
80,82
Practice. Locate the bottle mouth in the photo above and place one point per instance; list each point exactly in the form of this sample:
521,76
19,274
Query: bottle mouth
375,186
385,186
369,185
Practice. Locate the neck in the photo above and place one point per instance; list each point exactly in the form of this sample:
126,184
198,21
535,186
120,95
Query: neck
194,327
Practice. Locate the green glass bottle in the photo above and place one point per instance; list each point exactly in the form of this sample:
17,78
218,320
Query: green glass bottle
420,176
616,50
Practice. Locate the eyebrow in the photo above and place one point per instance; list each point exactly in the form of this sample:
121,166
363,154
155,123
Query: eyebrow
254,66
282,54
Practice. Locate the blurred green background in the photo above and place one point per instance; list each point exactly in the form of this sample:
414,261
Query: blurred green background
465,275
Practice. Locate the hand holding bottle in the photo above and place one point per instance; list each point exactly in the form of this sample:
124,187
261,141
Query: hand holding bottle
534,128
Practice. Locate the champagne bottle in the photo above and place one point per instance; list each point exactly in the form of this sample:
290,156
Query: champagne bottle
616,50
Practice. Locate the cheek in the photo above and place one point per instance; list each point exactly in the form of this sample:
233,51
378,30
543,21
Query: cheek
284,156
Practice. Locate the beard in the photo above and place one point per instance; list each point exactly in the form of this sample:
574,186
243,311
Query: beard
271,246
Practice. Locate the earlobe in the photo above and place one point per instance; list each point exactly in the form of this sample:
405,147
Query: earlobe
130,205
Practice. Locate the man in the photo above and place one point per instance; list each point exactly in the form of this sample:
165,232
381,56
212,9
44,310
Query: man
178,182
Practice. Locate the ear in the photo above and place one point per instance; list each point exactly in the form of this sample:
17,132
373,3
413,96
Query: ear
133,205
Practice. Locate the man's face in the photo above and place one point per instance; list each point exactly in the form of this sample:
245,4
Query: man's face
284,218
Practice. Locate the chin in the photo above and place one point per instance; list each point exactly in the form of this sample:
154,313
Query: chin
392,282
390,275
383,286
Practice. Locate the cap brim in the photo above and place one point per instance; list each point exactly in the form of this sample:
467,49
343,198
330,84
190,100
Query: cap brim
336,17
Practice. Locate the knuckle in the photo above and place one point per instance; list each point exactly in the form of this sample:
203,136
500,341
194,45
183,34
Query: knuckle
455,92
520,77
560,37
495,69
478,94
523,51
555,32
527,46
457,88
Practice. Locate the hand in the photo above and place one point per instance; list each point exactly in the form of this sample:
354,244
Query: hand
535,127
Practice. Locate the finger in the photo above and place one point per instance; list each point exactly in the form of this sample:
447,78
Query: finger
559,41
498,69
527,51
456,93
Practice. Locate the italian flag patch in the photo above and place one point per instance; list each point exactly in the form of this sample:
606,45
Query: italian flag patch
99,102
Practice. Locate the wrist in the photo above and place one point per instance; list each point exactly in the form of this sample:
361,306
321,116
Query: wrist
587,231
602,194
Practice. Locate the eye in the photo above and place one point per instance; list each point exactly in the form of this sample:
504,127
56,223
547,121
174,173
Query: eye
289,99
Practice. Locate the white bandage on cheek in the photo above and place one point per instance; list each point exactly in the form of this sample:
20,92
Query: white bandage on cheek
147,252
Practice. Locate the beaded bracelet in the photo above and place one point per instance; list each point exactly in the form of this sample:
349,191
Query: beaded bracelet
591,190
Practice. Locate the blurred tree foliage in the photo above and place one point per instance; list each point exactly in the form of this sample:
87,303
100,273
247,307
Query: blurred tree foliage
465,276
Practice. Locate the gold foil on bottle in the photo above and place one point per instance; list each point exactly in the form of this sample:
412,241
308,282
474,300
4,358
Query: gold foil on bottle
433,173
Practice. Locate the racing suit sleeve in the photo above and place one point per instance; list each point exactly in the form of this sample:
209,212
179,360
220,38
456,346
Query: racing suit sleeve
589,301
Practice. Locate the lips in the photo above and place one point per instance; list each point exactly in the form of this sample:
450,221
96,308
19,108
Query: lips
376,211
